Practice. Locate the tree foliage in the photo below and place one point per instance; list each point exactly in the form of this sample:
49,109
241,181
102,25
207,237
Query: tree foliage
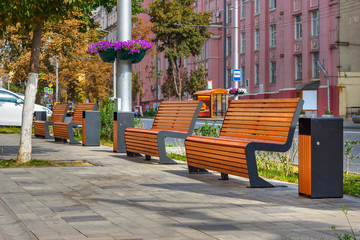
197,80
178,42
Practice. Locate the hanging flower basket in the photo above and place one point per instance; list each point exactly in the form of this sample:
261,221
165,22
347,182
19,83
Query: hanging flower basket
236,91
132,50
104,49
134,58
107,55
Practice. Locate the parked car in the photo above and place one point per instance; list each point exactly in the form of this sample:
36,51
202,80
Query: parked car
11,105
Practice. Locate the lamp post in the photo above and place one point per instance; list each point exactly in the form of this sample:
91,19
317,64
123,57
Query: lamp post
236,43
57,79
123,68
114,65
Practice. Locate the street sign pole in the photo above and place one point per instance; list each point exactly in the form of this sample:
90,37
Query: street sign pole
236,43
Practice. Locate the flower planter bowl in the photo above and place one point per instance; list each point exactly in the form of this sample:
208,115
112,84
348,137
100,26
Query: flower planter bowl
134,58
356,118
107,55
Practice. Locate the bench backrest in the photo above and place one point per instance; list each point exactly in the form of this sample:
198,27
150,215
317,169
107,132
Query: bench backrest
268,119
80,107
178,116
59,112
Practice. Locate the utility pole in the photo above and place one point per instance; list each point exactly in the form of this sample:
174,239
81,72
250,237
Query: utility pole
123,118
123,68
236,42
57,79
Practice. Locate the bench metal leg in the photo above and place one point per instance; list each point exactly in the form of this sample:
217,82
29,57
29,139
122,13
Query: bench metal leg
130,154
196,170
147,157
162,150
47,132
255,180
71,135
224,176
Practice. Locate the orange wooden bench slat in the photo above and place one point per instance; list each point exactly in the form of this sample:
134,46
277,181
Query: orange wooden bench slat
249,125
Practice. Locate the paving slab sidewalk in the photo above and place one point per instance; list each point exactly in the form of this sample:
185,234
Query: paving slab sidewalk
130,198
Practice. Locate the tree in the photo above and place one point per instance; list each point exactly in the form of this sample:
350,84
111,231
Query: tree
197,80
29,18
178,42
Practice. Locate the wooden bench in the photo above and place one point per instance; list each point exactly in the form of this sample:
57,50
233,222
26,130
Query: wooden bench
174,119
249,126
64,130
41,128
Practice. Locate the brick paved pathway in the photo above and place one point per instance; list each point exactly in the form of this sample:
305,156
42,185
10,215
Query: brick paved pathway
124,198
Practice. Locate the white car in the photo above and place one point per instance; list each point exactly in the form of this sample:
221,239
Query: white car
11,106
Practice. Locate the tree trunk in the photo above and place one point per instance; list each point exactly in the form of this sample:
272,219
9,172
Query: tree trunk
24,154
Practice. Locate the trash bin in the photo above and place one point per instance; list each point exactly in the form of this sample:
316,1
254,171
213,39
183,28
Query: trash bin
91,128
40,115
321,157
122,120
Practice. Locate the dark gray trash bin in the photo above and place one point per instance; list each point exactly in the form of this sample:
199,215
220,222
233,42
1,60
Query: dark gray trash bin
40,115
91,128
321,157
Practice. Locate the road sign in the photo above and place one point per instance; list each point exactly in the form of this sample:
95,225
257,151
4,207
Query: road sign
237,75
50,85
46,89
50,91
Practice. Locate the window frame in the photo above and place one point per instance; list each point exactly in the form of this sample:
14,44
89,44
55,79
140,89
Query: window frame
242,9
272,72
272,4
315,67
242,42
298,68
272,35
315,29
257,39
256,7
228,46
298,27
256,74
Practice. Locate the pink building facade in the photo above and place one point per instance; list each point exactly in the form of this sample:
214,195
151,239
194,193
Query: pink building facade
280,44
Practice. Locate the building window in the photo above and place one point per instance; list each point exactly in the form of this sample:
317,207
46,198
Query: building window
243,42
167,64
272,72
242,9
298,27
229,78
242,83
228,13
257,7
228,46
272,4
256,75
185,63
298,67
315,66
257,39
315,23
273,35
